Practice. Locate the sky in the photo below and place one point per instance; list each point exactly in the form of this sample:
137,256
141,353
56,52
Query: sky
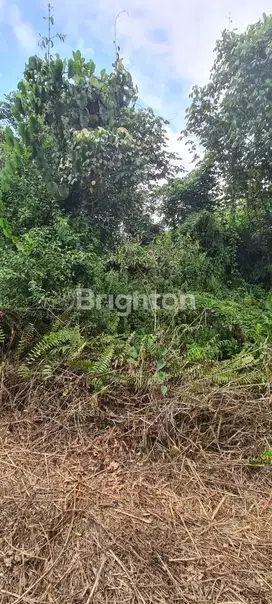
167,45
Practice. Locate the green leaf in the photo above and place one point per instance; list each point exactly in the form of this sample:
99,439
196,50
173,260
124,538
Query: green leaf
71,69
9,168
19,105
161,376
18,147
32,63
63,191
9,137
23,130
160,364
162,351
22,87
133,354
164,389
77,55
91,67
6,231
58,70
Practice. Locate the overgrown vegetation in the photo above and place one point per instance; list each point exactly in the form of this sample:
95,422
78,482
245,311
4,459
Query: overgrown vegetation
82,206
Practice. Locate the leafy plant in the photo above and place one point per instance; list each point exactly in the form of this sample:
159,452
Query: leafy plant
264,458
81,173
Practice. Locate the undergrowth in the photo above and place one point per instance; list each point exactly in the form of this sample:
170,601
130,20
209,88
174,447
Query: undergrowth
220,343
82,168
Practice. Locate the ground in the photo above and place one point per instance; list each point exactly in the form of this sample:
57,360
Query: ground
139,501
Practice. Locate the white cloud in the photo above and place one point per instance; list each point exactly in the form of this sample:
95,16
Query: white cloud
178,145
22,29
2,7
86,51
24,35
188,30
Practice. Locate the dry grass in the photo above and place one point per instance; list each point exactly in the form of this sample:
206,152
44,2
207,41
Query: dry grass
134,500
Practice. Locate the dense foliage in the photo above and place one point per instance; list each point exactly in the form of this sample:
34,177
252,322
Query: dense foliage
232,114
96,154
81,171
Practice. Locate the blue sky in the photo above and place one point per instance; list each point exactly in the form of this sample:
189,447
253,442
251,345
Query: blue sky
166,44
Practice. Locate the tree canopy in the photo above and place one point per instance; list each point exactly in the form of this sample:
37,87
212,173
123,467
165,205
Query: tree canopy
232,114
99,155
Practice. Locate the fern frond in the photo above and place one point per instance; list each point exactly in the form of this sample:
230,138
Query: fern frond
47,372
26,338
63,343
24,371
101,367
84,365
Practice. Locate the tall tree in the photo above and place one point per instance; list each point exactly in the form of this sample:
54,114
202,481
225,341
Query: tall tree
194,192
232,114
99,154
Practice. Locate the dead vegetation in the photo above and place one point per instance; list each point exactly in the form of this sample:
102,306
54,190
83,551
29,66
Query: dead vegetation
134,499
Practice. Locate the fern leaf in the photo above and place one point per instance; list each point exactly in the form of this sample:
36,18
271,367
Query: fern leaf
102,365
47,372
26,338
23,371
62,343
101,368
